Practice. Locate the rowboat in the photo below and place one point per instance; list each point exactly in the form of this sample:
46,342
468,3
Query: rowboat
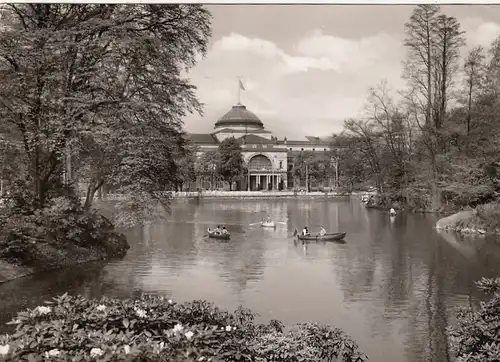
213,235
270,224
326,237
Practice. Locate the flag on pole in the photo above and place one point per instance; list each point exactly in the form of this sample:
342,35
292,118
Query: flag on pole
241,85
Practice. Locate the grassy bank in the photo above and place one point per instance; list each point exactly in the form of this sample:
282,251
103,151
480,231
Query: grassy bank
484,219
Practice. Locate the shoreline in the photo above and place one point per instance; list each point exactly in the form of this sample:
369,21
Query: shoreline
465,223
248,195
77,256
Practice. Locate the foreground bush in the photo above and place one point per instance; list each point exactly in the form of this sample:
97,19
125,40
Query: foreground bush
476,338
154,329
60,234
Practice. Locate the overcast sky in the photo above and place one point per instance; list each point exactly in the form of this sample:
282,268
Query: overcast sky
307,68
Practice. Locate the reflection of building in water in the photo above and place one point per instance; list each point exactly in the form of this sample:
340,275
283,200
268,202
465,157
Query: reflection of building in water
244,263
269,161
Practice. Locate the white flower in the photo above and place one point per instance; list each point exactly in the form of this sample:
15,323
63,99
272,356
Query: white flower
140,312
178,328
96,352
162,345
126,348
43,310
228,328
101,308
170,301
201,358
52,353
189,335
4,349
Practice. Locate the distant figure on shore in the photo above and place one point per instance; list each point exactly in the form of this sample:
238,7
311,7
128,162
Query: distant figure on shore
392,212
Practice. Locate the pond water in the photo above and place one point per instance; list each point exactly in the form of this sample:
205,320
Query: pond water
393,286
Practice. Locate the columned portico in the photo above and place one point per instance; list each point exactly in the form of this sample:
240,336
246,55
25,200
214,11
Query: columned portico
258,181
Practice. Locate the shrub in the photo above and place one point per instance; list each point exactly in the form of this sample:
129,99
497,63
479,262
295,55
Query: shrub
489,215
476,338
61,225
156,329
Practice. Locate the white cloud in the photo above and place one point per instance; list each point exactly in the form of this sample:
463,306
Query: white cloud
480,33
310,88
350,55
267,49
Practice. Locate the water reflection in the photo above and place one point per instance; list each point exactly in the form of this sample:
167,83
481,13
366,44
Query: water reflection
393,286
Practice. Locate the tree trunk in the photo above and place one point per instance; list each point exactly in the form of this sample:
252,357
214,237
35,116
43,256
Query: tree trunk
92,188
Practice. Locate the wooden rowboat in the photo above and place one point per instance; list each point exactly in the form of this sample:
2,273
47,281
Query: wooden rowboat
326,237
265,224
213,235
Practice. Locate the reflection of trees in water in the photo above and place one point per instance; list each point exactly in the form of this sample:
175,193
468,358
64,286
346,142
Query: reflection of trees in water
394,256
88,280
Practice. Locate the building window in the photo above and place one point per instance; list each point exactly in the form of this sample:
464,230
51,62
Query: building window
324,149
281,164
290,148
259,162
314,149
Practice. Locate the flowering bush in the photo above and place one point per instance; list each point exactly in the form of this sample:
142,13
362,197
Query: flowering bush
155,329
477,335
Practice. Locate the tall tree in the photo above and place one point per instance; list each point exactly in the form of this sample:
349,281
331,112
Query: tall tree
448,41
433,42
420,43
87,71
474,75
231,165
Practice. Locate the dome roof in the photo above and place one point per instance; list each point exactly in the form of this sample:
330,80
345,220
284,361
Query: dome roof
239,115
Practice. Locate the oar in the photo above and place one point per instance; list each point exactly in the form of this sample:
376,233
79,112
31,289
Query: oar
255,223
280,222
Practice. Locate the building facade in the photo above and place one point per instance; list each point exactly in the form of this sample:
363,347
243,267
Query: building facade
269,160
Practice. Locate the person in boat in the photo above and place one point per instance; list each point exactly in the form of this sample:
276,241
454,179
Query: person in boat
392,211
268,219
217,230
322,231
305,231
224,230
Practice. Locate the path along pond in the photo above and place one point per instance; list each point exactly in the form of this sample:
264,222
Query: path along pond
394,286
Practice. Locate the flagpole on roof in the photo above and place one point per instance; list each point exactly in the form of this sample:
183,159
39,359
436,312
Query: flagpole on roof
239,90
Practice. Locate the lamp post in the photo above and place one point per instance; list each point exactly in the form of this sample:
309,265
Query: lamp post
334,161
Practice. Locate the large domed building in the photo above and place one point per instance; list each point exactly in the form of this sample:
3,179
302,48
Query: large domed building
269,160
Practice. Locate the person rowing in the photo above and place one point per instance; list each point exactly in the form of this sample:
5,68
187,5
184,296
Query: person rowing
305,231
322,231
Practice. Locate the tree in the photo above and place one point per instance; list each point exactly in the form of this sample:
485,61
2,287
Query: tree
365,137
419,41
97,76
207,166
231,164
311,167
474,75
433,41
